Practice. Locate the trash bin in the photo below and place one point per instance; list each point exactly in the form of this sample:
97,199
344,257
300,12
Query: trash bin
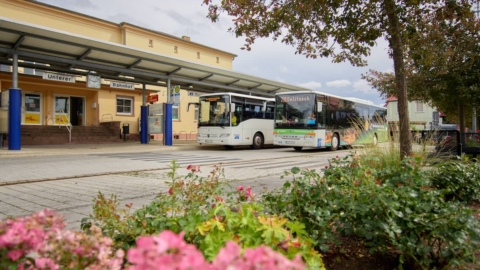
126,130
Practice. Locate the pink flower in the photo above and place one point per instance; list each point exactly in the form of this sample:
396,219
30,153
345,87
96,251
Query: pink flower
336,156
248,192
15,254
170,191
240,188
213,205
326,167
219,199
45,263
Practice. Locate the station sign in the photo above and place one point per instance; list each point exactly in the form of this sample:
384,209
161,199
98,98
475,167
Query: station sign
122,85
58,77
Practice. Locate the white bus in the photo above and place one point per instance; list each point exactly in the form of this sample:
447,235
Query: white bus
231,119
319,120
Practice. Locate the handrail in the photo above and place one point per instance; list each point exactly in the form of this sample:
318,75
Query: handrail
180,133
107,114
66,124
190,135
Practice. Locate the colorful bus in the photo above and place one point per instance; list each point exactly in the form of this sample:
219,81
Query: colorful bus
232,119
318,120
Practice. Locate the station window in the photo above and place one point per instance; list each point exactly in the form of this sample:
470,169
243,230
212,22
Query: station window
175,111
218,59
124,105
150,43
175,49
198,55
419,106
195,115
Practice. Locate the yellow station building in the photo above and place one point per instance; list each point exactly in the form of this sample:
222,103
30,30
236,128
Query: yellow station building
58,54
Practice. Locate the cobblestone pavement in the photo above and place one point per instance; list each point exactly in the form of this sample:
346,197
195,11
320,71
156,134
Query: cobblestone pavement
69,183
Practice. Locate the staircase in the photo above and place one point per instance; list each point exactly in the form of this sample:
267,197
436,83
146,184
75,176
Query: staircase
49,135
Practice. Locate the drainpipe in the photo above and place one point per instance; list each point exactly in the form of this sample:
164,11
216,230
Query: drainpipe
123,34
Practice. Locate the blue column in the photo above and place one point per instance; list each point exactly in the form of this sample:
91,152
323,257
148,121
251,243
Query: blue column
167,133
144,125
14,119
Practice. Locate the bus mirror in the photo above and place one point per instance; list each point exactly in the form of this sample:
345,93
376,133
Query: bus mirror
192,103
232,107
319,106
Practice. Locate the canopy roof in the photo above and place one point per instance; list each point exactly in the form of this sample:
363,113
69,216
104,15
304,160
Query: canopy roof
70,53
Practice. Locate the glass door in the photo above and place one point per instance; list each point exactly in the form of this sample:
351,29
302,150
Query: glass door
62,110
32,109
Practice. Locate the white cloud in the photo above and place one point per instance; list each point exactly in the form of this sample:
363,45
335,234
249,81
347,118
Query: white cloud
339,83
311,85
268,59
363,86
283,69
282,80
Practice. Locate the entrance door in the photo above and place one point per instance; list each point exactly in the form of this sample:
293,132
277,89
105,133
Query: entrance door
76,111
62,109
32,109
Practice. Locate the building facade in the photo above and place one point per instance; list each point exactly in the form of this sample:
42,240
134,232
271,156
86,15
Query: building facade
53,98
420,114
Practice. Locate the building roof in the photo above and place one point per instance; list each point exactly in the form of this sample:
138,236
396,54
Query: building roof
126,23
391,98
63,51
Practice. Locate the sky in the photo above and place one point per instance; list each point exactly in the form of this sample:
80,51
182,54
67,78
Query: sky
267,59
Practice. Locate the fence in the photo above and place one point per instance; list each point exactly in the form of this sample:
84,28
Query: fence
450,141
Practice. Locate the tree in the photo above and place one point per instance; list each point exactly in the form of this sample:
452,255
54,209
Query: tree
443,66
342,29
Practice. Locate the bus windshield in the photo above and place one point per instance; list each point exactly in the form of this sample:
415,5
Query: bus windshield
214,111
295,110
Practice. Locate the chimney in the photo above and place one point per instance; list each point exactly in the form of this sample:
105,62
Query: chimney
187,38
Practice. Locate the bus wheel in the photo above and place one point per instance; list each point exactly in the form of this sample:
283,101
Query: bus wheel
335,143
228,147
298,148
375,140
257,141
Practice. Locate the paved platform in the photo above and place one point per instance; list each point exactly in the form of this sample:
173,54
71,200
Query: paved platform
86,149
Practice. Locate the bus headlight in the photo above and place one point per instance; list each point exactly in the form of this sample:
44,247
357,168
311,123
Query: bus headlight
224,135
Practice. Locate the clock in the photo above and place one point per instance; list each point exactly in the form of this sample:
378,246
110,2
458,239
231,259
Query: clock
94,81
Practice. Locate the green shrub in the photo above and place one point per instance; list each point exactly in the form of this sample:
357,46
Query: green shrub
185,205
459,180
247,226
209,212
392,209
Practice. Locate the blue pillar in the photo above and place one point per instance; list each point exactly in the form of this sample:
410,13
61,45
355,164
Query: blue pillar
144,125
14,119
167,134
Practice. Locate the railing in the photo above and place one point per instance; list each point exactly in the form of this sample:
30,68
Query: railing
180,133
450,141
190,135
63,119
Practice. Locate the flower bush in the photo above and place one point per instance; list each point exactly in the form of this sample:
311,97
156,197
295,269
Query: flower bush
169,251
39,241
390,209
210,213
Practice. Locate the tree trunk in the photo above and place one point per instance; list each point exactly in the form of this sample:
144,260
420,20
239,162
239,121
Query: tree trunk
396,45
461,122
